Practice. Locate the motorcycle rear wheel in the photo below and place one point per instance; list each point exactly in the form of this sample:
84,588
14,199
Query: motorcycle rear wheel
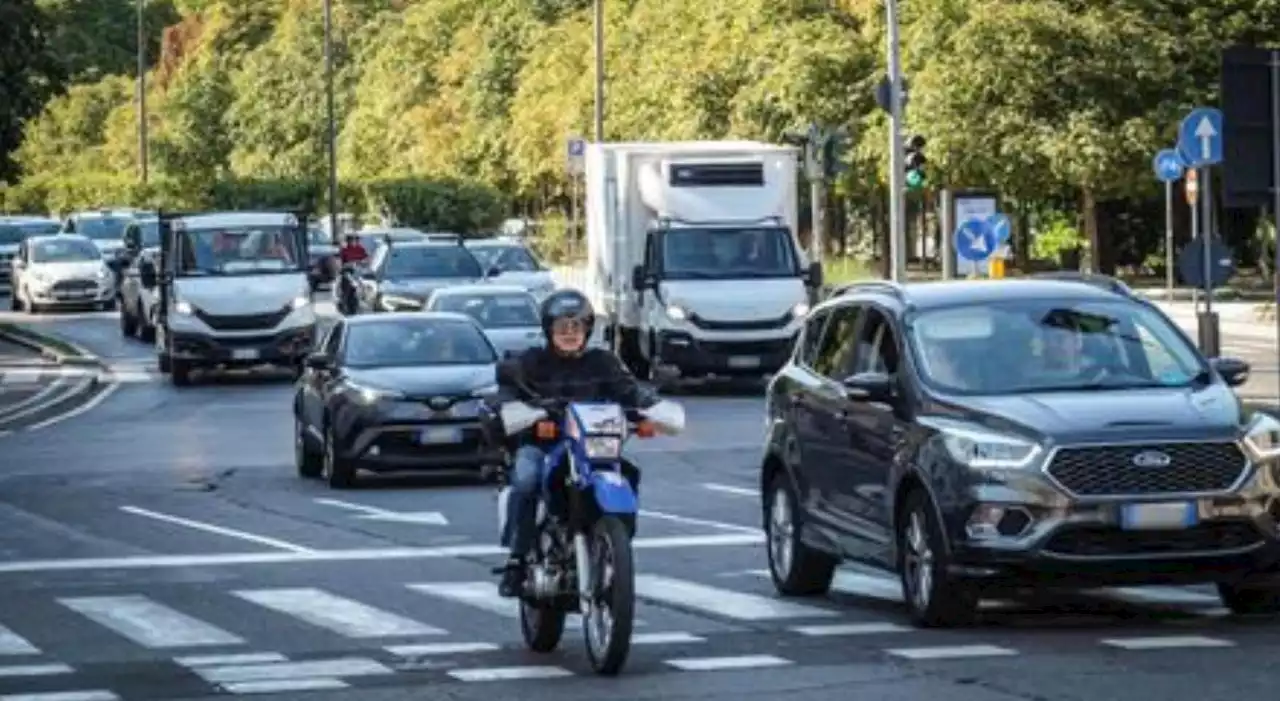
607,629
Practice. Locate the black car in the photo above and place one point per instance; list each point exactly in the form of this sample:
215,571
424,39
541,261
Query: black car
401,276
978,437
395,392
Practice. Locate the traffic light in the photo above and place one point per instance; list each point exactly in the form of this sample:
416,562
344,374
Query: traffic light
915,163
833,151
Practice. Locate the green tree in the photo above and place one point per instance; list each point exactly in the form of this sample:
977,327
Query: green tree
28,75
97,38
69,135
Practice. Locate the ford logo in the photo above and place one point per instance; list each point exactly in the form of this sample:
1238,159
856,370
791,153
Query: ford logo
1151,458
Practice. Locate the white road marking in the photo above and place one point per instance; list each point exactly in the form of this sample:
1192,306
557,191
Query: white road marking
144,562
311,669
665,638
711,664
13,644
502,674
92,695
851,629
952,652
276,686
51,400
219,530
36,399
730,489
721,602
426,649
1162,595
689,521
1166,642
34,670
234,658
98,398
149,623
482,595
342,616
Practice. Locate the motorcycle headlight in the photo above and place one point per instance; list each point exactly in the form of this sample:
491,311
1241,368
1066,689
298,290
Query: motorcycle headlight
981,449
677,312
602,447
1262,438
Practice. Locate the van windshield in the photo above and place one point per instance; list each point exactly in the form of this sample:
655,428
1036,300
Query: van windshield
252,250
727,253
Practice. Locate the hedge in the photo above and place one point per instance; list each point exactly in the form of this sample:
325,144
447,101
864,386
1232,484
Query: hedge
442,204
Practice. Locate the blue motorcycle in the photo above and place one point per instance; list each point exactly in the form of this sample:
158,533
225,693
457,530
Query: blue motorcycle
582,559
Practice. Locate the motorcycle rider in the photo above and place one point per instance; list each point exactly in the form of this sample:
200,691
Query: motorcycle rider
564,369
351,254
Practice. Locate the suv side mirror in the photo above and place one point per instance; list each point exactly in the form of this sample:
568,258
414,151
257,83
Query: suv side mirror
639,281
319,361
814,275
147,274
868,387
1234,371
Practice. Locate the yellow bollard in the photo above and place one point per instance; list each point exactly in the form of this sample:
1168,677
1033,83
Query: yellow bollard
996,268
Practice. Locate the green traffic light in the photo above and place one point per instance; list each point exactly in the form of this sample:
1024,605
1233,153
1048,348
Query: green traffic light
915,179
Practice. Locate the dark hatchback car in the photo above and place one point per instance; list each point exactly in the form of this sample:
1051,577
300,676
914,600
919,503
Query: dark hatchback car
978,437
395,392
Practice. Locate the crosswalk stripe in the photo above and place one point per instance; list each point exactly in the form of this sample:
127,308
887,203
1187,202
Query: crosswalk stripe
276,686
478,595
503,674
149,623
89,695
427,649
340,615
721,602
234,658
951,652
310,669
1166,642
13,644
34,670
711,664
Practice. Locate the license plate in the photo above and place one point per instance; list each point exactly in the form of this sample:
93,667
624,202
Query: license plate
436,436
1165,516
245,354
744,361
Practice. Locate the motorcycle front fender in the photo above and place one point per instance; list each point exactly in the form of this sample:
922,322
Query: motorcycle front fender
613,493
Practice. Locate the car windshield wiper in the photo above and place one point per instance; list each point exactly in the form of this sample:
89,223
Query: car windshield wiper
1092,387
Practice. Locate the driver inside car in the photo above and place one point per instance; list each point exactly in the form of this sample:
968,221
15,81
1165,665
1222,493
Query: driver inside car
564,369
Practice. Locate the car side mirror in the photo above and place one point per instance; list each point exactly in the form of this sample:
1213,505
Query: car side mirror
1234,371
639,281
147,275
319,361
814,275
869,387
495,271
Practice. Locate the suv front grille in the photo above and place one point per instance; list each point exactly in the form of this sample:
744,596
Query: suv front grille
1100,541
243,322
1110,470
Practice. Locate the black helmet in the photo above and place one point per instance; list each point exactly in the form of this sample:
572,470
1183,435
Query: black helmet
567,304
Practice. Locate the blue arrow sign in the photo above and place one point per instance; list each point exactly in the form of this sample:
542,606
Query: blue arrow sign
577,147
1168,166
1001,227
1200,137
975,241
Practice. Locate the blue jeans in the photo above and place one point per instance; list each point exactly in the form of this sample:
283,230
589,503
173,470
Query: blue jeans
525,480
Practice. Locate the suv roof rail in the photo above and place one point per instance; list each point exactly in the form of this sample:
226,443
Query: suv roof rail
889,286
1105,282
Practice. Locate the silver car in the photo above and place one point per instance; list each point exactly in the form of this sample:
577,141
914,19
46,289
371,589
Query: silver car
507,313
61,271
514,264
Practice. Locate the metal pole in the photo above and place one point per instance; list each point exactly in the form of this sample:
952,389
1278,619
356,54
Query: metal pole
817,206
1195,233
599,51
573,215
142,92
1207,235
332,126
1275,171
897,186
1168,240
946,252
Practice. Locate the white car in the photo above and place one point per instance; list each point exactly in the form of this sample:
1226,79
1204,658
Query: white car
508,314
137,302
61,271
515,263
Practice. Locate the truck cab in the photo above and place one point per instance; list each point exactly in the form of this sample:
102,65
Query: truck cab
233,292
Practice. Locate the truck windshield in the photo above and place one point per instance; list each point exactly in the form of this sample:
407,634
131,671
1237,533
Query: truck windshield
240,251
101,229
727,253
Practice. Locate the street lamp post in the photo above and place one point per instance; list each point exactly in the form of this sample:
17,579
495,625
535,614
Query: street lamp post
599,57
142,92
331,127
897,186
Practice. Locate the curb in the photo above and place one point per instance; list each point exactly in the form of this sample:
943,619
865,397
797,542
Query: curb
49,347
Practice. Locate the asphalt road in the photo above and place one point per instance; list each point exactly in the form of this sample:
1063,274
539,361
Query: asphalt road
160,546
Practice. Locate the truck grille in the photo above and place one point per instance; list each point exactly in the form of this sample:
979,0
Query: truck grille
1110,470
764,325
243,322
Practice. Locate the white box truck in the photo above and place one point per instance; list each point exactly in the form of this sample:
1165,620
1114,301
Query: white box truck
692,255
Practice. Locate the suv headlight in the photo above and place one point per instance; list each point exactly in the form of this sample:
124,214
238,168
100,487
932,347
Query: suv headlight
300,302
373,395
981,449
183,308
602,447
104,274
798,311
1262,438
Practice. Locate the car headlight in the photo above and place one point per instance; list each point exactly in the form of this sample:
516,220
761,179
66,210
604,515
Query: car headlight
300,302
602,447
798,311
183,308
373,395
486,391
677,312
104,274
1262,438
981,449
392,302
39,277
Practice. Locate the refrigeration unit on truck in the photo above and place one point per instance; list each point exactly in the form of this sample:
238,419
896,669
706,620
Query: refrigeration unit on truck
692,255
233,292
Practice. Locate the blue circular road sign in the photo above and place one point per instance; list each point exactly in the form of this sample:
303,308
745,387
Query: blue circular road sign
577,147
1168,166
1200,137
975,241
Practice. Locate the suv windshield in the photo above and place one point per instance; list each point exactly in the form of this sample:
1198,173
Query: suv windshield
430,261
17,232
1027,346
509,259
64,250
240,251
101,228
493,311
405,343
707,254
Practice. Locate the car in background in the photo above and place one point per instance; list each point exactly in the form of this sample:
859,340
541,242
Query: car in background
979,437
395,392
137,301
322,252
104,227
508,314
515,263
13,231
60,271
401,276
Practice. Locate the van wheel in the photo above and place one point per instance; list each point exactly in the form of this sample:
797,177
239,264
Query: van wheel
796,568
1243,600
180,371
934,599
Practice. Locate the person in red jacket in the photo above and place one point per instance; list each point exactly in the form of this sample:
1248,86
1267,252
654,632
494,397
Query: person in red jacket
351,254
353,251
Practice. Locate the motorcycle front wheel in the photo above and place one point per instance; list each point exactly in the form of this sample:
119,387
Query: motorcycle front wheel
607,627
